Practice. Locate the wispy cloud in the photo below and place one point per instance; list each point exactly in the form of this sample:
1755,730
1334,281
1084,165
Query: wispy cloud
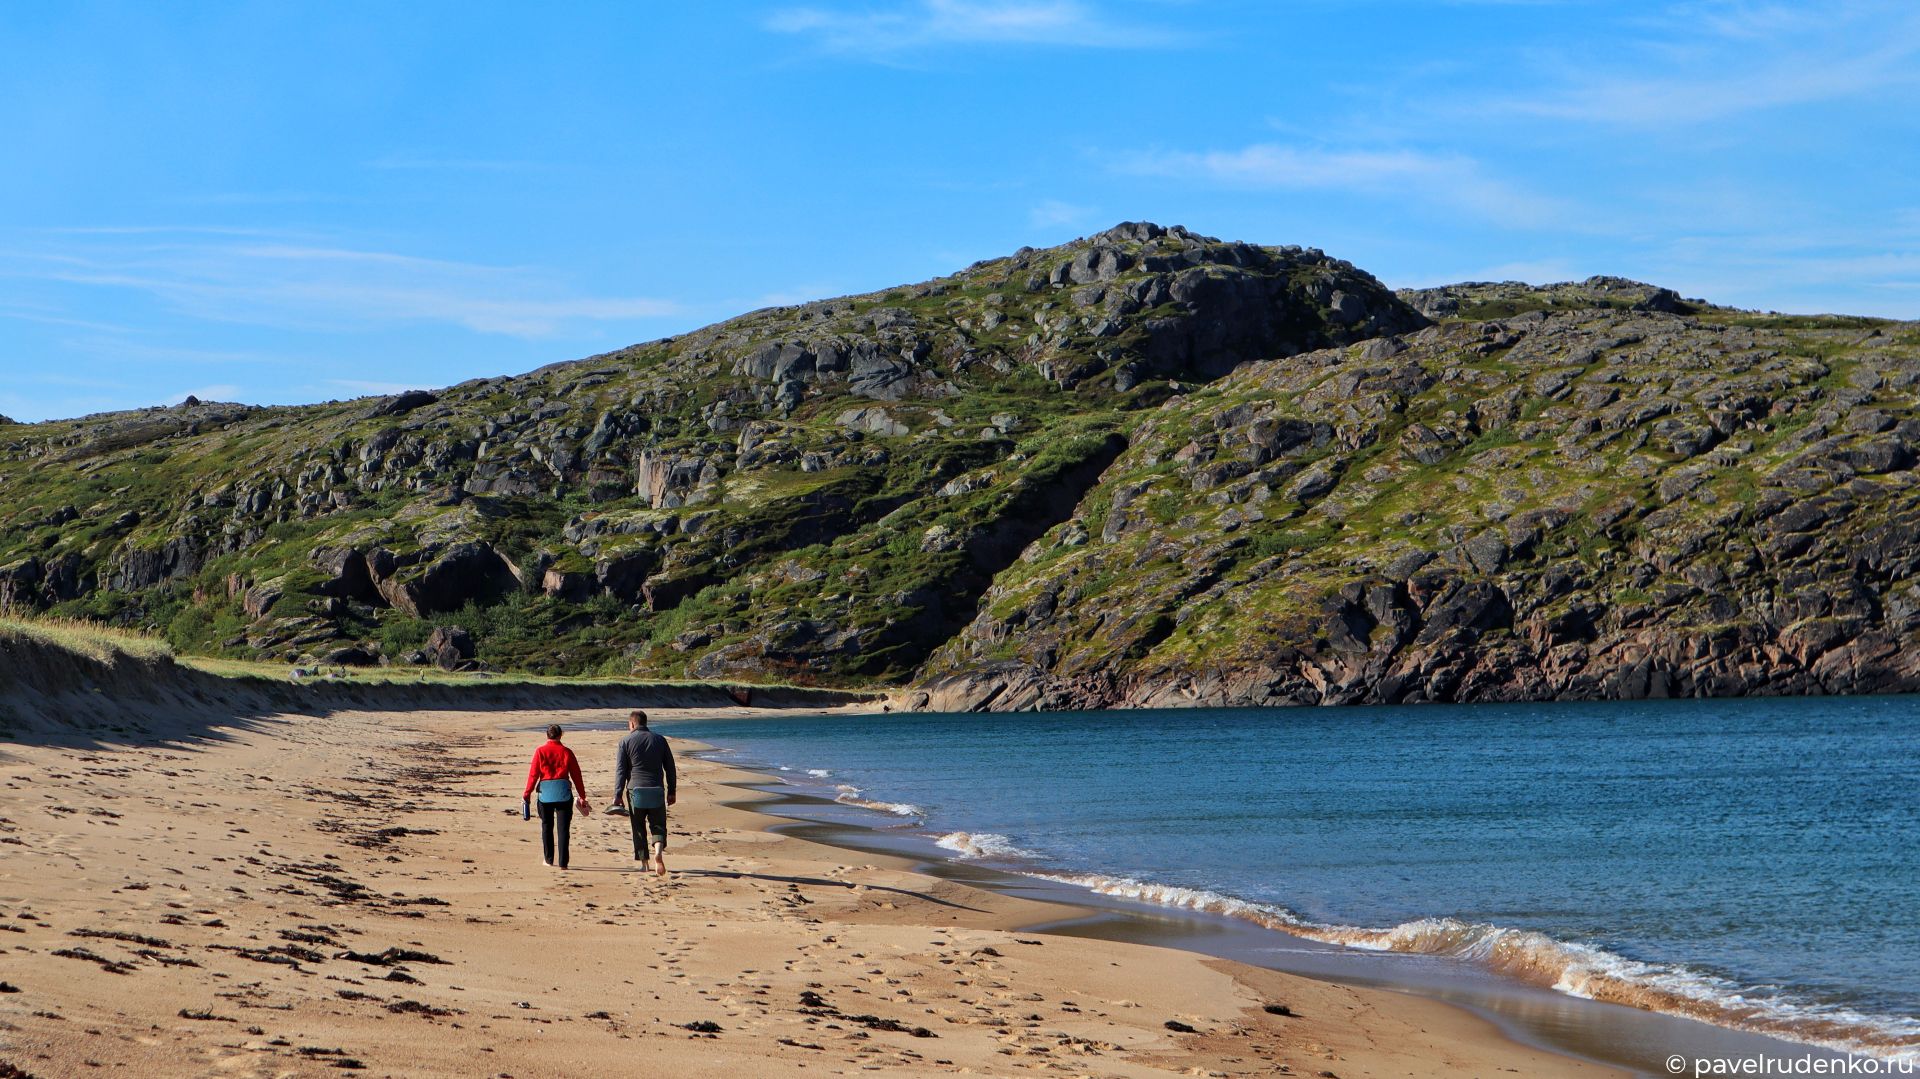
25,408
1761,20
1852,273
1705,62
259,198
803,292
30,315
1451,180
428,162
120,348
157,230
48,378
1053,213
933,23
302,285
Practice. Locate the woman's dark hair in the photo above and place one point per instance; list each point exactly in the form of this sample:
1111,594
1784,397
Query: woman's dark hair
553,731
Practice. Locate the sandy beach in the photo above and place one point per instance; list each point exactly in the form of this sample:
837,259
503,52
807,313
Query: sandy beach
300,895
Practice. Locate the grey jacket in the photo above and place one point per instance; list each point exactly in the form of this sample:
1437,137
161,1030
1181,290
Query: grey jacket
645,761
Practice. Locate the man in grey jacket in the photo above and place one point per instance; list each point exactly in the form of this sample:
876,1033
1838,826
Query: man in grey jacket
645,781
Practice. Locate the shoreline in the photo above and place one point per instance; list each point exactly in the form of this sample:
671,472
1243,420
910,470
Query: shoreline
1077,910
1511,1001
303,894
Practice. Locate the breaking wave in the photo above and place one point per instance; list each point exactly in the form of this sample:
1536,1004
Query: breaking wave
981,845
850,795
1576,969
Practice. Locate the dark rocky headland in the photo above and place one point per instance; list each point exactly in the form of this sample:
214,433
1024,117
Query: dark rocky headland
1145,468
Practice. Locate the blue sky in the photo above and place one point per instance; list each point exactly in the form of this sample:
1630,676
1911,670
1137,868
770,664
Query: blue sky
284,202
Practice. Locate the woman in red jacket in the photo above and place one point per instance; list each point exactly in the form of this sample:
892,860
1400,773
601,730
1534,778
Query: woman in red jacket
555,771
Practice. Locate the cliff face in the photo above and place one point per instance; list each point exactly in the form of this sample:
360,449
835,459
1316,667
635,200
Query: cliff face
1148,467
1594,503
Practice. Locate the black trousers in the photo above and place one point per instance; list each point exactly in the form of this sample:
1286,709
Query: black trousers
555,817
643,821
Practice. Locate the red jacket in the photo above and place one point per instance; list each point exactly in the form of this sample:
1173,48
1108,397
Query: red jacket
554,761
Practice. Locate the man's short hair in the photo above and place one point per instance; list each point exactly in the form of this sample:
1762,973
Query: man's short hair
553,731
638,716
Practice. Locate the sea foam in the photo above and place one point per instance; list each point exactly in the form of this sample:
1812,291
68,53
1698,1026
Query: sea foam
851,795
1575,969
971,845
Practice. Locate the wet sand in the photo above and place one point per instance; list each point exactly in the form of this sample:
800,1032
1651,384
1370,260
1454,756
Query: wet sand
303,895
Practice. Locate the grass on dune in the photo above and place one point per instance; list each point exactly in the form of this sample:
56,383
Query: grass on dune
89,638
242,668
106,642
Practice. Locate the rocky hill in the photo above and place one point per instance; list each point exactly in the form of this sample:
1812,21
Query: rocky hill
1147,467
1587,504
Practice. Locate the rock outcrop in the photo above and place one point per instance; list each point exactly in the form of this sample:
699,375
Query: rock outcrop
450,648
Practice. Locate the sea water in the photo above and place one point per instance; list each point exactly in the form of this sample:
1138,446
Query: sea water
1750,863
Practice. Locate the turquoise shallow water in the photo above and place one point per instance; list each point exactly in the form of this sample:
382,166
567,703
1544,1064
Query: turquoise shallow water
1748,862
